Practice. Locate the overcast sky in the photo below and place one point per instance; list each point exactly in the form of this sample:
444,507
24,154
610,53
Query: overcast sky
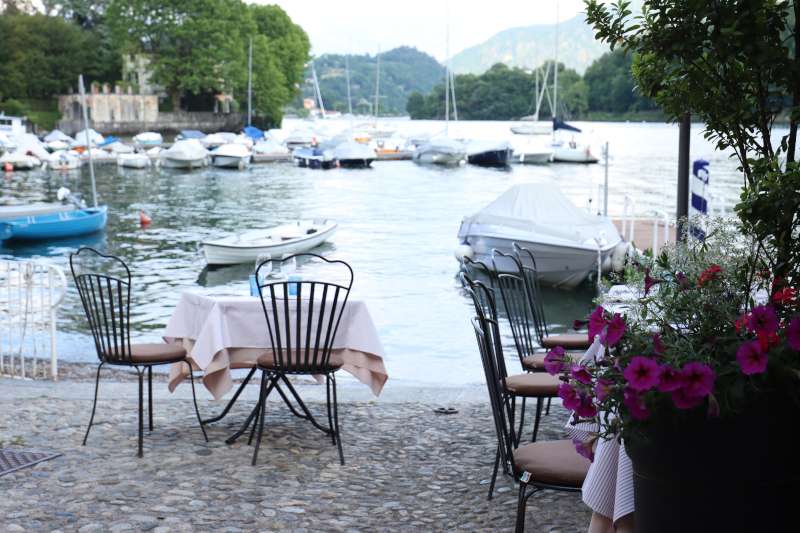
357,27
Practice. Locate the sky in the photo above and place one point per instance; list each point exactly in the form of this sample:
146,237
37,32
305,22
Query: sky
359,27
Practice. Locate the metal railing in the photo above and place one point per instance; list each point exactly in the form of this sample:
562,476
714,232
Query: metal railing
660,213
30,293
628,201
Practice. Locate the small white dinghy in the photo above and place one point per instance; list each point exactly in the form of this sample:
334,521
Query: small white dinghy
188,154
287,239
231,156
133,160
63,160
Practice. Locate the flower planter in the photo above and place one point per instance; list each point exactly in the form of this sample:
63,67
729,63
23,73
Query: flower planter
735,474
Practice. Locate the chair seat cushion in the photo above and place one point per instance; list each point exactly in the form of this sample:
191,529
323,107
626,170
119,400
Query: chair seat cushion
552,462
156,353
568,341
533,384
267,360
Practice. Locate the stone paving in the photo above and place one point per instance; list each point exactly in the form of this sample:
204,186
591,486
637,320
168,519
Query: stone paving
407,469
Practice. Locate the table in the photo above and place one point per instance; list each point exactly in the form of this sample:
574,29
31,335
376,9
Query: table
224,331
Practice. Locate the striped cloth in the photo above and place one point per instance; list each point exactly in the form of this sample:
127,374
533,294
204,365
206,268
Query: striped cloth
608,488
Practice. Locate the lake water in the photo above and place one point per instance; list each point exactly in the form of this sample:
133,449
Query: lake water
397,228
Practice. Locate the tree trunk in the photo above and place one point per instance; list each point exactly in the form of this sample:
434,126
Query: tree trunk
175,96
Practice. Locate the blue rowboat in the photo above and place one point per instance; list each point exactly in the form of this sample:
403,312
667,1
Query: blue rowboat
70,224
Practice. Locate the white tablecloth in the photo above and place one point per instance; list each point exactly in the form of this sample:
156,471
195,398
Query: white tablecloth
225,331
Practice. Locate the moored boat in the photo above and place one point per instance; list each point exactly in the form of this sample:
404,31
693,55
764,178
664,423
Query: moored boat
148,137
441,151
315,158
63,160
69,224
133,160
489,153
231,156
66,202
286,239
188,154
354,154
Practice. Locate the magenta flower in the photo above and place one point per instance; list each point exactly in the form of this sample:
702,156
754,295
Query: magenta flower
685,401
658,346
581,374
699,379
763,320
578,324
636,403
793,333
597,323
570,396
586,408
683,280
585,448
552,361
649,282
751,358
615,330
603,389
671,379
642,374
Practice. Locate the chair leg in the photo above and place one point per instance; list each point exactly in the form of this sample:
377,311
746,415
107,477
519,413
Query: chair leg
549,400
336,420
539,405
250,417
233,400
94,405
494,473
141,409
150,395
259,421
521,420
194,397
520,527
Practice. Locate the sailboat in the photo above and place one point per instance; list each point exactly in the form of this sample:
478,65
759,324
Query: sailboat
531,125
444,151
371,128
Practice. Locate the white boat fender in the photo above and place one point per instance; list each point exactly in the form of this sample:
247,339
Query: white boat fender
464,250
618,256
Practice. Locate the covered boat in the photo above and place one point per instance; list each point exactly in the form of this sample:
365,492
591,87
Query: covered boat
86,138
489,153
231,156
63,160
314,158
69,224
212,140
133,160
190,134
441,152
148,137
530,152
188,154
565,241
354,154
287,239
300,139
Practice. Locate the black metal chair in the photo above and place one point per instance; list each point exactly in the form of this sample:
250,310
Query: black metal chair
106,301
551,465
527,268
302,320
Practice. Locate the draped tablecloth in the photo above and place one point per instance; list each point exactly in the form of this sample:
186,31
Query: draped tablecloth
226,331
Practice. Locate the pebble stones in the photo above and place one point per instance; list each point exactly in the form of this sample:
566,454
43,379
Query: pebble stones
408,469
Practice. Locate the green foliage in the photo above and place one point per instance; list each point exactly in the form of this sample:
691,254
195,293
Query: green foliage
610,85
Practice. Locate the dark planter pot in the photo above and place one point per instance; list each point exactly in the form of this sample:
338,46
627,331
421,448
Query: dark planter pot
734,474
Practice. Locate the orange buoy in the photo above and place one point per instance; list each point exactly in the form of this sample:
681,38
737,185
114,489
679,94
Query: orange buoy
144,219
9,167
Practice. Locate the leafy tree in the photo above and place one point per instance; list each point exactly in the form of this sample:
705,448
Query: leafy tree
610,85
416,105
732,64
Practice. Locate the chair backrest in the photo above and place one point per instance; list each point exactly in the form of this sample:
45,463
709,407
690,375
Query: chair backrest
531,276
303,316
471,268
502,407
482,295
514,293
106,301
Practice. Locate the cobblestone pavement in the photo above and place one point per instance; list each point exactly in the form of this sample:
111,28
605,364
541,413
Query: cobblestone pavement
408,469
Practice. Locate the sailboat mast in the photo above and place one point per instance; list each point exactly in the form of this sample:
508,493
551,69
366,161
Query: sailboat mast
447,80
250,84
377,85
536,94
86,131
349,101
555,74
316,86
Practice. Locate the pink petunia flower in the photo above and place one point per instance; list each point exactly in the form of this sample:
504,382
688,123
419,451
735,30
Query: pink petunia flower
793,333
671,379
597,323
642,374
751,358
685,401
552,363
570,396
763,320
585,448
586,408
580,373
649,282
699,379
578,324
615,330
603,388
636,403
658,346
684,281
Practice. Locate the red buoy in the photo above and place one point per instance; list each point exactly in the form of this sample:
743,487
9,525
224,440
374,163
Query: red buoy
145,220
9,167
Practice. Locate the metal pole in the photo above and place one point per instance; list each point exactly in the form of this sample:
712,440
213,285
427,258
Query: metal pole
683,172
377,85
447,81
605,187
250,85
349,101
86,131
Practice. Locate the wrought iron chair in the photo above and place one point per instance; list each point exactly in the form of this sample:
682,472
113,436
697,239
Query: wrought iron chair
106,301
568,341
302,320
551,465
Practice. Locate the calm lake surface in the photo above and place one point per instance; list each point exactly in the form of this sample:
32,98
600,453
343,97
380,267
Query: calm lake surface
397,228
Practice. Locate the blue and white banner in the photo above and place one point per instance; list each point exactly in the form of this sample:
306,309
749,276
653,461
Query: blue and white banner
700,193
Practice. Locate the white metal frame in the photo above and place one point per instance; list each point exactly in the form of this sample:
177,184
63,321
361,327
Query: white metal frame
659,214
628,200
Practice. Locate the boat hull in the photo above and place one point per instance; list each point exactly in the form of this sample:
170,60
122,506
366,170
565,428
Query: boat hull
534,128
133,162
491,158
188,164
532,158
22,211
70,224
351,163
246,248
440,158
230,161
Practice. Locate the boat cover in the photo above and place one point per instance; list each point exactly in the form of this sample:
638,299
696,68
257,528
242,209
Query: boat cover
187,150
57,135
110,140
192,134
558,125
231,150
228,136
253,132
442,145
541,208
351,150
94,137
482,147
29,143
269,146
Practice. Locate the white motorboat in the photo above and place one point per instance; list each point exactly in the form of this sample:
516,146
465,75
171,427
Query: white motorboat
66,203
55,146
148,137
441,151
133,160
57,140
212,140
376,131
243,140
489,153
529,152
7,143
315,158
28,154
188,154
117,147
533,127
572,152
287,239
353,154
20,160
87,137
231,155
300,139
63,160
566,242
415,139
268,145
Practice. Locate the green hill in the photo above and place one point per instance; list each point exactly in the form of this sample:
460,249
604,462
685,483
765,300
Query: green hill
403,70
529,46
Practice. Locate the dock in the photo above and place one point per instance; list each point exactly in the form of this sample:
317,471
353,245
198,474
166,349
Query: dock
392,155
256,159
643,234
